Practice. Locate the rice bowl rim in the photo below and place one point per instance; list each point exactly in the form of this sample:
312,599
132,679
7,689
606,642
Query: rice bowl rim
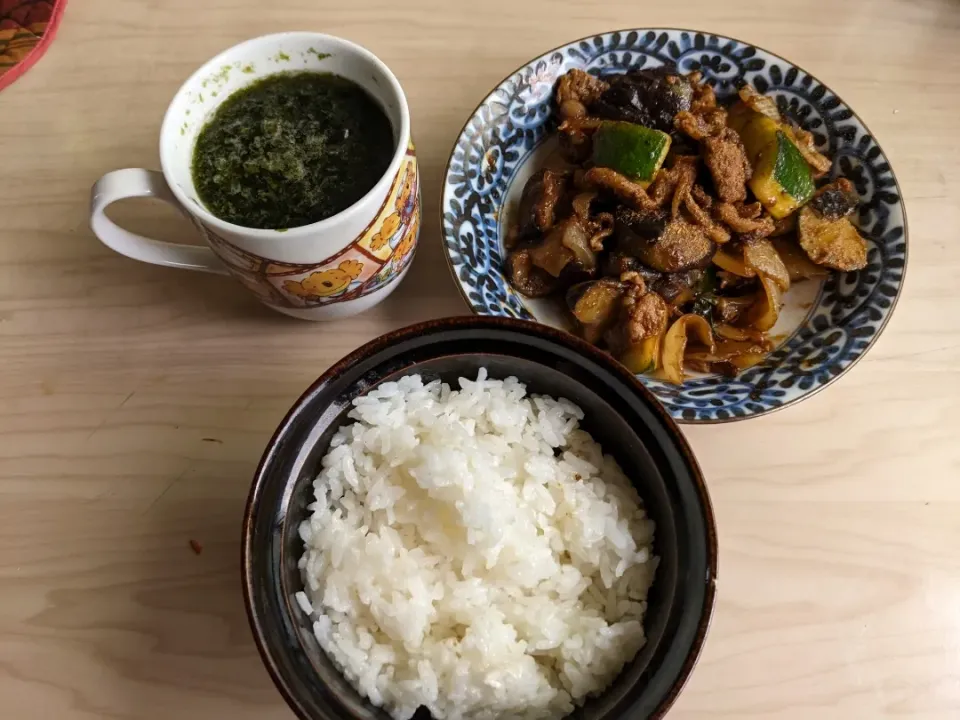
277,448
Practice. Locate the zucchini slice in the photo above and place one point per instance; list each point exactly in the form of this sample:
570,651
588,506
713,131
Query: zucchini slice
782,180
661,243
643,358
630,149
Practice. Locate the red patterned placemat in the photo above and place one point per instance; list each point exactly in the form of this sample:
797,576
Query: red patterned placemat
27,27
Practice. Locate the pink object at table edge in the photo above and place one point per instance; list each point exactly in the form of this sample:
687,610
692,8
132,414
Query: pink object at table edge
11,75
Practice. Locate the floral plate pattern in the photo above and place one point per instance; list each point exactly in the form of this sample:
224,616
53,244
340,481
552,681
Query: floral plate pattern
846,314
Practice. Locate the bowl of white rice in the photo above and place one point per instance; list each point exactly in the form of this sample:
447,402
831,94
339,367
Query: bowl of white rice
478,518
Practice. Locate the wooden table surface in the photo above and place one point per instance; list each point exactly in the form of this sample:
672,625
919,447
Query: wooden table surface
135,400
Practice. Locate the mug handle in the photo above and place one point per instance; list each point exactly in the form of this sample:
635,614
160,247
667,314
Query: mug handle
138,182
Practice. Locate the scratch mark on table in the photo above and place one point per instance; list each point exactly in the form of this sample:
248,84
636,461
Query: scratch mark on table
160,496
93,432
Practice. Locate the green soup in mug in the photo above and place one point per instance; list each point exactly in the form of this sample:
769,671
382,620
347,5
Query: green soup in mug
291,149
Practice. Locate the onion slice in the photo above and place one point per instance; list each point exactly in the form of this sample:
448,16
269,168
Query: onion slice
675,344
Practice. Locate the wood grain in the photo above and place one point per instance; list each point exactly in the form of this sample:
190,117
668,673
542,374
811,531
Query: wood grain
135,400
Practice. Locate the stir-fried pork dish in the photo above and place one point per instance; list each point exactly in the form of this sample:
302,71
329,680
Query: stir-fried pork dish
680,223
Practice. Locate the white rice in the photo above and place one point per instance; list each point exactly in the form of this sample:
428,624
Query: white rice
474,552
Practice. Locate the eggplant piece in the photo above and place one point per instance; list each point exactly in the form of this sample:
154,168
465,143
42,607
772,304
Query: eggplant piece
635,228
663,243
574,274
836,200
527,278
595,305
526,218
617,263
647,97
539,202
675,286
832,243
682,145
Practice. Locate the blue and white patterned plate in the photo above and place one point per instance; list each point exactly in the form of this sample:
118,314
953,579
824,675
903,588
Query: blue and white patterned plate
826,327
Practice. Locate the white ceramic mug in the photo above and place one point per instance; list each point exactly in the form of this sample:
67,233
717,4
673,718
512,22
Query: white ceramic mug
329,269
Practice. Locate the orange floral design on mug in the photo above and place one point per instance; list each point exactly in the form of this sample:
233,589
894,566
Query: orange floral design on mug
401,216
325,283
373,260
